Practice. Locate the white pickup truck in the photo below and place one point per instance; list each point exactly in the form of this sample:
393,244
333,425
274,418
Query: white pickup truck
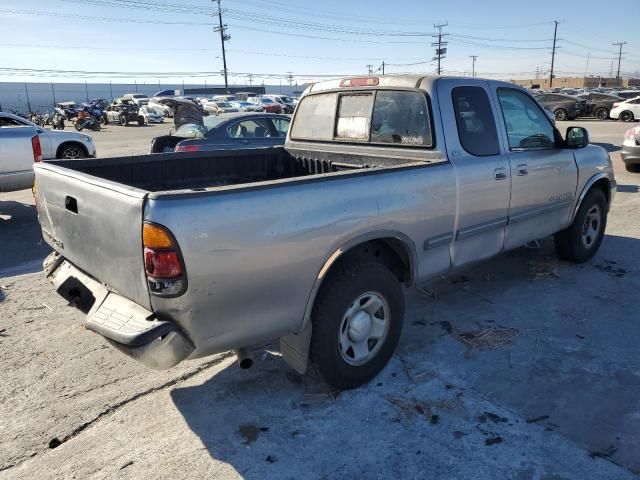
383,183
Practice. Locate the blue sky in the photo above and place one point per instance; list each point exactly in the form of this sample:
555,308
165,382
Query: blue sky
270,38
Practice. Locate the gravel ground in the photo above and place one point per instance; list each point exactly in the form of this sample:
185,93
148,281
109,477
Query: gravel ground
555,398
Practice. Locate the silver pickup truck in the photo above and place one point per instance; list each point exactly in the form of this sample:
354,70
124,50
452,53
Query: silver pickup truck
383,183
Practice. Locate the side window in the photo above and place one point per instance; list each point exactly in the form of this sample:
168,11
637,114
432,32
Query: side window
250,129
9,122
354,112
476,124
528,127
282,126
401,118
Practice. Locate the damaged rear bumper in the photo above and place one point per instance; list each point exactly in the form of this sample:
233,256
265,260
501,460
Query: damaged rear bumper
130,328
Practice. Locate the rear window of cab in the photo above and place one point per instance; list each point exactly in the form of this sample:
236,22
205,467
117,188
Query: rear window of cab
387,117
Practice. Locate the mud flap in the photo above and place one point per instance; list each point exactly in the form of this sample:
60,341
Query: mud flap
295,349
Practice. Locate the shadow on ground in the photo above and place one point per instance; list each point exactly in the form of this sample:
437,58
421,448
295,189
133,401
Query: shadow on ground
571,372
627,188
609,147
22,246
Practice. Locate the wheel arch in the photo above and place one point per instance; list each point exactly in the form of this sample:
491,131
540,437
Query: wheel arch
392,248
600,181
68,143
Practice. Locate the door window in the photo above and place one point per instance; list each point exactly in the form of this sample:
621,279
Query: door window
250,129
282,126
528,127
476,124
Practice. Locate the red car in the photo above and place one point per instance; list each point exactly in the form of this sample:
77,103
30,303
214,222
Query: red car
269,105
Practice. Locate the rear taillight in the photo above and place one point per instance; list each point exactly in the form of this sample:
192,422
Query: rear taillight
188,148
162,261
37,149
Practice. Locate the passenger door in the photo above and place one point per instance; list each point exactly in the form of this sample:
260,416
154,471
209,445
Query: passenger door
481,165
544,172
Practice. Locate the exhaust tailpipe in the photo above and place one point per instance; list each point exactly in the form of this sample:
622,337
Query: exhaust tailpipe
245,359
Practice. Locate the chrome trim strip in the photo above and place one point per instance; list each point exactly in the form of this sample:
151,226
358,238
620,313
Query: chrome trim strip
481,228
534,212
437,241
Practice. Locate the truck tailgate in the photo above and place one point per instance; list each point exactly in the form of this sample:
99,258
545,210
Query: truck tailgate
96,225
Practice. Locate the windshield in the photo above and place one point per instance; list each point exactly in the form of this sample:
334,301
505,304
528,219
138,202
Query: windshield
266,100
138,95
223,104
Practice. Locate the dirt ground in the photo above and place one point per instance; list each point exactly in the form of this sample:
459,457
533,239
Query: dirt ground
520,368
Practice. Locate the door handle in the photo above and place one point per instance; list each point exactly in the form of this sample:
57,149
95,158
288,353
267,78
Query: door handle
522,169
245,142
500,173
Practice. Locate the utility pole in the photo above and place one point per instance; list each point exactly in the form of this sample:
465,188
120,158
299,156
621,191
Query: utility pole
537,73
224,37
27,92
553,53
441,47
586,70
370,68
250,79
619,44
473,64
290,78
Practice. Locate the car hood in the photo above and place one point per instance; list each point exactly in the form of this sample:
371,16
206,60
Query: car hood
184,112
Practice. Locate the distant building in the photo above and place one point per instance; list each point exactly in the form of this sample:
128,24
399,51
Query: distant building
578,82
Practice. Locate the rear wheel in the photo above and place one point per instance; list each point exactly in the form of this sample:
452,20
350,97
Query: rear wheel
632,167
602,113
124,121
581,240
71,152
626,116
357,320
561,114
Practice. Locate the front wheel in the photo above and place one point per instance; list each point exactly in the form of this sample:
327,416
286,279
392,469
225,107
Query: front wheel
561,114
581,240
124,121
79,126
357,320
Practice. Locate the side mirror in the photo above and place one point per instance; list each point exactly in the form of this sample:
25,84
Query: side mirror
577,137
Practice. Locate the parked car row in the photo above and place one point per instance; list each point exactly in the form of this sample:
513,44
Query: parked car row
568,104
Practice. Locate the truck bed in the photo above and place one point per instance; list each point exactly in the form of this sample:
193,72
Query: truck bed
205,170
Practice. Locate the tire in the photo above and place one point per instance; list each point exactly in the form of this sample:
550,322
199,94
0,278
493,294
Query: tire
104,120
78,126
124,121
71,152
601,113
141,121
338,305
581,240
626,116
561,114
96,127
632,167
